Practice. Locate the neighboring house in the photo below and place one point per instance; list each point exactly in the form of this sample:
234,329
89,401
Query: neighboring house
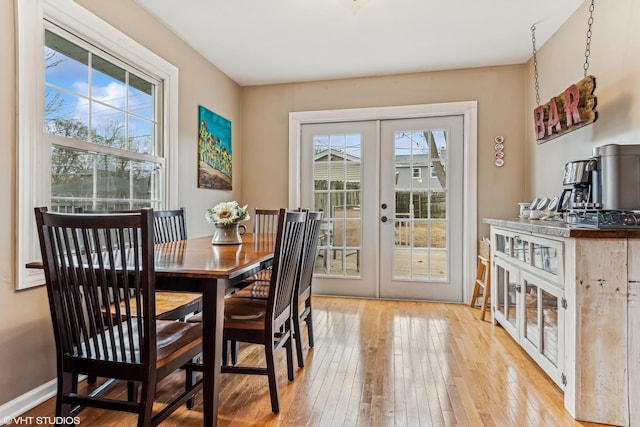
416,173
416,182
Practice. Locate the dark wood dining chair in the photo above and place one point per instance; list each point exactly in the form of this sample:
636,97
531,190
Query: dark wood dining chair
268,322
89,259
168,226
171,226
265,222
302,294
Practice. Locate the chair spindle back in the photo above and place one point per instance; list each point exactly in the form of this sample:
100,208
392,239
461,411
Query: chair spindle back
85,259
169,226
286,261
265,221
309,250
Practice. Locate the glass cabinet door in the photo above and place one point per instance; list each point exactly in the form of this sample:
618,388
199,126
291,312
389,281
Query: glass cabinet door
527,276
542,323
508,293
532,314
550,309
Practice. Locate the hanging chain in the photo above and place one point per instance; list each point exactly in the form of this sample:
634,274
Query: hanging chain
587,50
535,63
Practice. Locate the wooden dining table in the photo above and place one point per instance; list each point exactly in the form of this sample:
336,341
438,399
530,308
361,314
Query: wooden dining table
214,270
197,265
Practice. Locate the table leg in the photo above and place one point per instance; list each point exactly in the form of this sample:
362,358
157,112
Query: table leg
212,324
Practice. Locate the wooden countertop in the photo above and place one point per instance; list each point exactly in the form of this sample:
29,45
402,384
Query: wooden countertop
560,229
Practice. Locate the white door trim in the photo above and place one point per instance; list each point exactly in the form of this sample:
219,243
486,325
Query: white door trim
468,109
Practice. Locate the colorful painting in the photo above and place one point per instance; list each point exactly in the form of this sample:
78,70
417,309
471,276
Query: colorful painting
214,150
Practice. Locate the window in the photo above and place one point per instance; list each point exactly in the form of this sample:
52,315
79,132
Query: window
100,120
97,120
416,173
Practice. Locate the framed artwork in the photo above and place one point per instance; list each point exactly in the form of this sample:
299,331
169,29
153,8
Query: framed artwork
214,150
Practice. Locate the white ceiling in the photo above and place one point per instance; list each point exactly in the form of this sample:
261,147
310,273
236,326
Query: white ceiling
259,42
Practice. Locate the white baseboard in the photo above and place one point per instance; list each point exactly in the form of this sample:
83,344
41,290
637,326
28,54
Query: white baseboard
27,401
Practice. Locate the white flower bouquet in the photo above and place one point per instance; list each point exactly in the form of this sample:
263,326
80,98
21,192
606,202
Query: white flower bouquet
227,213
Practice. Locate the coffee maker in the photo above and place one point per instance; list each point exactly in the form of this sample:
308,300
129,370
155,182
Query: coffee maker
578,174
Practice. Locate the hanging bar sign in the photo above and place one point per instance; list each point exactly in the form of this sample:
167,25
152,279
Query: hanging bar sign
567,112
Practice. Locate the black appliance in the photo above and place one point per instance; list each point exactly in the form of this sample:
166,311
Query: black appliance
578,174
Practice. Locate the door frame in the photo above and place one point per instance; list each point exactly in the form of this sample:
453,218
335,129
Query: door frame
467,109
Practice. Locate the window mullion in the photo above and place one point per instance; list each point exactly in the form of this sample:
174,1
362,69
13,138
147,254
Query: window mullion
90,100
95,180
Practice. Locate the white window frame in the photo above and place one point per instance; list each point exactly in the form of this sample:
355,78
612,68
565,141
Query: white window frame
33,154
413,172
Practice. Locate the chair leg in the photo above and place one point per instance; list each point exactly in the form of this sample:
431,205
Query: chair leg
235,348
271,374
474,296
289,347
309,321
74,379
298,338
190,380
91,379
65,386
225,352
146,401
232,347
132,390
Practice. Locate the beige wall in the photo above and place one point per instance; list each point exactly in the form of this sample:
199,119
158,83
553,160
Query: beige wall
26,342
614,61
498,90
26,346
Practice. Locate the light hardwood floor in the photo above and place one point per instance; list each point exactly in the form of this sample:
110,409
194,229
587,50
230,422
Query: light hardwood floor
383,363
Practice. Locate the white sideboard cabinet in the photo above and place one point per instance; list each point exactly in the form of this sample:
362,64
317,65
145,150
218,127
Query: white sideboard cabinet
528,296
571,299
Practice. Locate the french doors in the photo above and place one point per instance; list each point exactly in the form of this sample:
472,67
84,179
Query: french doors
392,192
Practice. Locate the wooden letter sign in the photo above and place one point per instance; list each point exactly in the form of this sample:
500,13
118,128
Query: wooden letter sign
575,108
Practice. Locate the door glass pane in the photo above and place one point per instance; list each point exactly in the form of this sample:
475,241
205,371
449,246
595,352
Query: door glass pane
337,193
532,328
550,325
421,220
